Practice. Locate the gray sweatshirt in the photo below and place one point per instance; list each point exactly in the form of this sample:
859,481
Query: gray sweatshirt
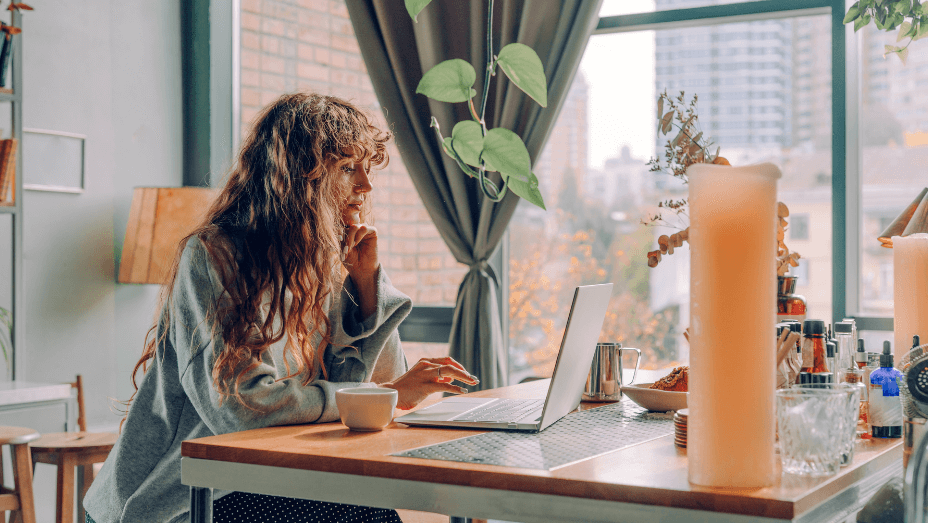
176,401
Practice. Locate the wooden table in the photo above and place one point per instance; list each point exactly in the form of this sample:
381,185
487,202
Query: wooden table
646,482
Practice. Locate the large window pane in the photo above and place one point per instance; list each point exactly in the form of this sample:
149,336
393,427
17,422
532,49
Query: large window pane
894,144
764,92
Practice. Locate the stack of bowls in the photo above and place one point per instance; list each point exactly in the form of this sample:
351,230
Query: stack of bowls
679,427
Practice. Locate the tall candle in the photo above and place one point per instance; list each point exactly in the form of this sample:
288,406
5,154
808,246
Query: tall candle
733,241
910,291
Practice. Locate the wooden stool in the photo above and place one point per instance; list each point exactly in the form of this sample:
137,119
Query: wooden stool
19,500
68,450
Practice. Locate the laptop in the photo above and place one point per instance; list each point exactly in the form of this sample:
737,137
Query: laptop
584,323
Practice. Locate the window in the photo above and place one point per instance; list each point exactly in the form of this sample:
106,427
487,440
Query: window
894,142
799,227
592,232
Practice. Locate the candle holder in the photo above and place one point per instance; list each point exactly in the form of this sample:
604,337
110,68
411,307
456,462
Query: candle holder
733,297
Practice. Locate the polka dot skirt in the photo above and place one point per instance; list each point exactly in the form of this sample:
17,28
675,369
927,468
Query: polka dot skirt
243,507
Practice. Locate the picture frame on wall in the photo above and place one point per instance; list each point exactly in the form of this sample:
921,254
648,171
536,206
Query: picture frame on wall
53,161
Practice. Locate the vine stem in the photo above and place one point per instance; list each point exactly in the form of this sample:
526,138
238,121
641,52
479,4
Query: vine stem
497,194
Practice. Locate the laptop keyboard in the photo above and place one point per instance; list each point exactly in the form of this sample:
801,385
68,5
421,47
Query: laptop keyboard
503,411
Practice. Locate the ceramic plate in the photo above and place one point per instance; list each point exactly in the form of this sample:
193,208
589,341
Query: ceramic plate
653,399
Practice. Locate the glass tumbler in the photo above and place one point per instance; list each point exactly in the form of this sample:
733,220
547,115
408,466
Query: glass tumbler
817,428
852,406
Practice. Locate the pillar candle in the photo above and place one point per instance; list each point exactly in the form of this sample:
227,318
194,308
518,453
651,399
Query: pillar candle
910,291
733,242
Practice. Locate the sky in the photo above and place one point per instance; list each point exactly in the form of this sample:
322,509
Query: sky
619,69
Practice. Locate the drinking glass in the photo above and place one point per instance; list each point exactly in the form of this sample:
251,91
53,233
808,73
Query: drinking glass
817,426
853,415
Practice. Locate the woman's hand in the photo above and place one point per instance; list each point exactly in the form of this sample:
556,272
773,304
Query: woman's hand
359,254
428,376
359,251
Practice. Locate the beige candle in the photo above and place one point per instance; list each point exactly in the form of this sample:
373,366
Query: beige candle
910,292
733,276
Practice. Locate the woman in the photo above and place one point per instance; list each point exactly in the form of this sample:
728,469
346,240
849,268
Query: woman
258,326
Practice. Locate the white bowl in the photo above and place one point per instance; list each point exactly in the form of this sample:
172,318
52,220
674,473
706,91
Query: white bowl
366,408
654,399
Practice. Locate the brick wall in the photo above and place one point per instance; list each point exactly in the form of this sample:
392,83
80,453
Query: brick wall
310,45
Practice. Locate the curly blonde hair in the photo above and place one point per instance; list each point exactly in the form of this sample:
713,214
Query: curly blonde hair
275,230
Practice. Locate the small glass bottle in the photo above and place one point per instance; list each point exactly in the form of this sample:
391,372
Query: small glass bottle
830,360
860,357
790,306
813,347
844,333
855,377
885,403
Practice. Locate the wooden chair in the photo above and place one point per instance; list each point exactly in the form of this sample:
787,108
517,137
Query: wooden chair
20,499
68,450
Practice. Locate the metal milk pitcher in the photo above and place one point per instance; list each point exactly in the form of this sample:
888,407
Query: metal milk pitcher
605,380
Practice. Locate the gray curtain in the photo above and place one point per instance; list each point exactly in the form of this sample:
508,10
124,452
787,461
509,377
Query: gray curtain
397,52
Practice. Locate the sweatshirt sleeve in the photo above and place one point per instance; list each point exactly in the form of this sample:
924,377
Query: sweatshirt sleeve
265,400
367,349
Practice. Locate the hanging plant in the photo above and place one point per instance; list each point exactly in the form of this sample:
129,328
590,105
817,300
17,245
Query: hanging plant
910,16
476,149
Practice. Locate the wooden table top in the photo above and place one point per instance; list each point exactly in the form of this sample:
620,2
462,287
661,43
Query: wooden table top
651,473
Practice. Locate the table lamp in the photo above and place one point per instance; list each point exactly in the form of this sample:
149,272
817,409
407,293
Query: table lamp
158,219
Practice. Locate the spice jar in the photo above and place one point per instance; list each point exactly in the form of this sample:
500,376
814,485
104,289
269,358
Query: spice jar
790,306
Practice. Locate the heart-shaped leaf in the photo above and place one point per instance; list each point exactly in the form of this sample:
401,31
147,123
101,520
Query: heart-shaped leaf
523,67
851,15
922,30
467,141
450,81
414,7
527,190
505,152
861,22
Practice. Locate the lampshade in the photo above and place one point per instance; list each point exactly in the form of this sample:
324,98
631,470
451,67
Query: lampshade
158,219
913,219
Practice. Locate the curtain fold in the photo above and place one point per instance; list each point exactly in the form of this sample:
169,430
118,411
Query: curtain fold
397,52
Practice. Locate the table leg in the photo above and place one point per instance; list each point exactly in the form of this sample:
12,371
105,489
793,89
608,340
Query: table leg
84,479
201,505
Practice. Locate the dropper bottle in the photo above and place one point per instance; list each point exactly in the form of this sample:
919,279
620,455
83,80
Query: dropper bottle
860,357
885,403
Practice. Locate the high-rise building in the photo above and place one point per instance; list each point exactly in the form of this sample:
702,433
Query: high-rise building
741,72
567,151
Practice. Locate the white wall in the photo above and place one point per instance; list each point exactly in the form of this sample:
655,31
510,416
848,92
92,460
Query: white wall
110,70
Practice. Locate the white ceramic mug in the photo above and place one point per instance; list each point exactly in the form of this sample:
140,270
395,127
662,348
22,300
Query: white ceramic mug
366,408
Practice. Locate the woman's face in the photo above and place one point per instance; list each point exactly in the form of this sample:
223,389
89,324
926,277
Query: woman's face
356,175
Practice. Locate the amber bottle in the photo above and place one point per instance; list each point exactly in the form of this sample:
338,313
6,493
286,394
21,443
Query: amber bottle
813,347
790,306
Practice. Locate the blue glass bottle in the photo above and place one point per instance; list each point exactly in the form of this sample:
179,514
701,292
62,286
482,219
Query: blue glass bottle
885,403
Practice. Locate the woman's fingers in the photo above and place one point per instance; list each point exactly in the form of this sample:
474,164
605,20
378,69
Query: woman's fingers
446,370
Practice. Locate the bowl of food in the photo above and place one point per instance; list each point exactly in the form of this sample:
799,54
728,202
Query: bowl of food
666,394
